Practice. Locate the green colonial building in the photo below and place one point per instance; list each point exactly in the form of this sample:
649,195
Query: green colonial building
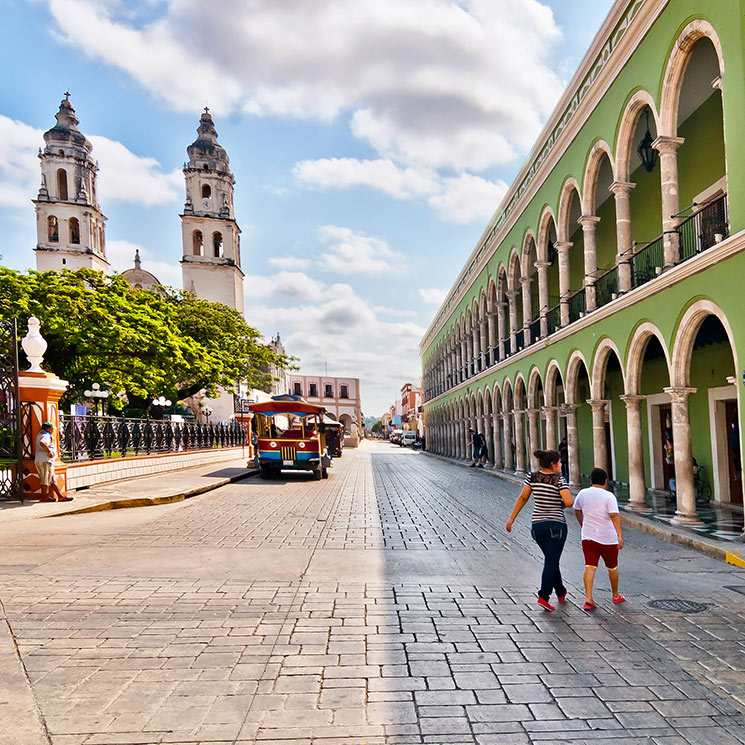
604,303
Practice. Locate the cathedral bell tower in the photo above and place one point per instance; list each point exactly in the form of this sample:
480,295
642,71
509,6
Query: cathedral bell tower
69,222
211,263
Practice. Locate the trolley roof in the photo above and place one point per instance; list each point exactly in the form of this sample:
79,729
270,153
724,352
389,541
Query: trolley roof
286,404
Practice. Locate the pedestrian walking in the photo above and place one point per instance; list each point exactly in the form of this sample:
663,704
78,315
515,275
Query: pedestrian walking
44,456
484,454
564,453
549,527
476,441
597,513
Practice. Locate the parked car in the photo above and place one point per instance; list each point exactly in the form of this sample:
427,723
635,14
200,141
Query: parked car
409,438
395,437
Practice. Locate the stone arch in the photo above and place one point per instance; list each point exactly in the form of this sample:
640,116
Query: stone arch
600,150
685,336
528,253
635,355
599,364
574,366
520,392
569,189
547,220
491,296
676,68
553,374
514,275
534,380
625,144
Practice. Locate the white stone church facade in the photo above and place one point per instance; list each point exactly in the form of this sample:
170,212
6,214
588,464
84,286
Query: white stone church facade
71,227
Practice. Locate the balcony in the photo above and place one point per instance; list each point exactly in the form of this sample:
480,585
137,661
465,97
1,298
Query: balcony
705,227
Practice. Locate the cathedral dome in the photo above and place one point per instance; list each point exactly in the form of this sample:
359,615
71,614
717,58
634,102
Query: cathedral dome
140,278
66,131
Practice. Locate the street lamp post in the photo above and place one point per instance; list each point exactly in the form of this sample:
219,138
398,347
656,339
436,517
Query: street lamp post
97,395
161,402
207,411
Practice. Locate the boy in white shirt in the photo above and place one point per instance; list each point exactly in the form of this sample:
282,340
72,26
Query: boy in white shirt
597,513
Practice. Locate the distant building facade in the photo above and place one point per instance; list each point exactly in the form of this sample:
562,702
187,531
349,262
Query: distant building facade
340,396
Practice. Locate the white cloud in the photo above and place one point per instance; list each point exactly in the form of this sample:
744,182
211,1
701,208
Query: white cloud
343,332
121,257
467,198
380,174
294,285
432,296
127,177
124,176
19,168
290,262
348,252
461,84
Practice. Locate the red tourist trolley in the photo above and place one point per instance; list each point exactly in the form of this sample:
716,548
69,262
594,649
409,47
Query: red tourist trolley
290,434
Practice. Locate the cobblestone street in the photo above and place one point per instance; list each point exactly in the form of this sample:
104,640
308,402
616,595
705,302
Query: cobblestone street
385,605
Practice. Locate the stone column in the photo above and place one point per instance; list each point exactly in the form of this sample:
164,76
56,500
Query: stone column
685,513
502,327
491,322
498,457
488,433
599,445
459,352
562,249
543,298
575,474
527,303
589,224
484,342
551,439
637,485
466,439
475,337
519,442
509,462
464,358
668,150
622,193
512,301
533,435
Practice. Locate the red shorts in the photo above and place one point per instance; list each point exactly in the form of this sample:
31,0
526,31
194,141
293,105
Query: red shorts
593,551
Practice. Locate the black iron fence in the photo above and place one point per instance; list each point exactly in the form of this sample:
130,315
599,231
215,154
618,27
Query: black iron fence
576,305
606,287
553,319
705,227
11,456
647,262
90,437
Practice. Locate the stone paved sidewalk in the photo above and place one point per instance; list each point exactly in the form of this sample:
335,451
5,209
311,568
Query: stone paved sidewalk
158,488
384,606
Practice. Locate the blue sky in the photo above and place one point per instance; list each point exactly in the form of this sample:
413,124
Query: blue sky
370,141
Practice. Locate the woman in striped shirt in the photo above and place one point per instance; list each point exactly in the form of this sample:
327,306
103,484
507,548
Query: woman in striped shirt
549,529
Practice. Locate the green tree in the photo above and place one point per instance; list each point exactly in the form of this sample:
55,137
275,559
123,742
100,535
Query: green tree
140,342
377,426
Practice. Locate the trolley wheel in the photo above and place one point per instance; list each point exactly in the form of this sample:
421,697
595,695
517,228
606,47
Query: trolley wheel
317,476
265,473
324,473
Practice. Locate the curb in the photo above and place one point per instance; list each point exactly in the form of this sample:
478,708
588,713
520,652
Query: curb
667,533
123,504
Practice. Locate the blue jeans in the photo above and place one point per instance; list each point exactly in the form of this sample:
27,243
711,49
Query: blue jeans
550,535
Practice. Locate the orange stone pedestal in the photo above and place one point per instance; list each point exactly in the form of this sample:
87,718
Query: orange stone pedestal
40,393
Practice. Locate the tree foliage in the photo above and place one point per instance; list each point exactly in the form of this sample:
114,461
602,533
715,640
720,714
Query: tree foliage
377,426
142,342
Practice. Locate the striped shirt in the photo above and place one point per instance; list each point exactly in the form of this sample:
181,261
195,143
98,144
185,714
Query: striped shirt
547,502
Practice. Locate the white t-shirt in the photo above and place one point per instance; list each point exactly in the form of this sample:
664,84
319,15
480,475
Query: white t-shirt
597,506
41,455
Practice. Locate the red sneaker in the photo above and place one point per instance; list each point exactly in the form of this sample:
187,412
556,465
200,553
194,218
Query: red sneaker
619,599
545,604
562,598
589,606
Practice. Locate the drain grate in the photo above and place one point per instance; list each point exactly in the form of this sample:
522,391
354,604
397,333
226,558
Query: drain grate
678,606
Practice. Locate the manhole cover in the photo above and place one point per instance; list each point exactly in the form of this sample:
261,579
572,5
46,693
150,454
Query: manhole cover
678,606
